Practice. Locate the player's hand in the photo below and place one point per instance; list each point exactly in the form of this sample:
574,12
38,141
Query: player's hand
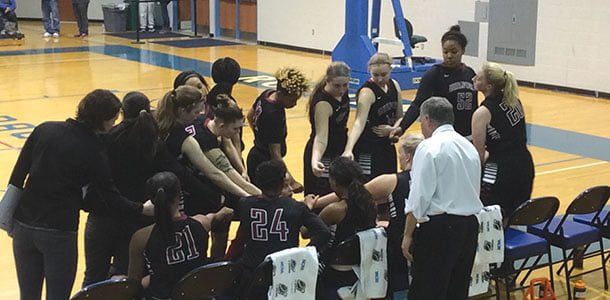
317,168
348,154
148,208
225,213
296,187
310,200
406,248
395,134
383,130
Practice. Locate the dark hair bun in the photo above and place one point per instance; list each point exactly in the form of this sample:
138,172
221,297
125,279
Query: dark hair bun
223,100
455,27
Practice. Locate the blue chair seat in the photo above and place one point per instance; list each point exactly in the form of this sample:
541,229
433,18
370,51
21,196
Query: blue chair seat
519,244
588,220
574,234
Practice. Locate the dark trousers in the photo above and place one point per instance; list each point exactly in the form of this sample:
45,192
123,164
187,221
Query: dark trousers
165,14
376,158
106,246
443,254
80,12
44,254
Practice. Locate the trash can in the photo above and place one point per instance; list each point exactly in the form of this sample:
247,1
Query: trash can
115,17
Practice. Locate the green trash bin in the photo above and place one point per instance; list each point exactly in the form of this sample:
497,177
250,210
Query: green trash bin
115,17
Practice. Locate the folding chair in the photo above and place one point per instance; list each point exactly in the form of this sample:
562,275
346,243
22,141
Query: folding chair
600,220
520,245
567,234
261,276
121,289
208,281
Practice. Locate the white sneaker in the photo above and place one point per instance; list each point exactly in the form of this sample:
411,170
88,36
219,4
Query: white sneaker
46,34
55,35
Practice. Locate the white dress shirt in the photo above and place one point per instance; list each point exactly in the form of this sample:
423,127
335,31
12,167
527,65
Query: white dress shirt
446,176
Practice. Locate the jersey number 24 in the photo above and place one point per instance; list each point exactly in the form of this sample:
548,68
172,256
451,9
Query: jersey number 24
258,227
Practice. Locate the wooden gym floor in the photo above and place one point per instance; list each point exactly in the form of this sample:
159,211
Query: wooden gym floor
44,80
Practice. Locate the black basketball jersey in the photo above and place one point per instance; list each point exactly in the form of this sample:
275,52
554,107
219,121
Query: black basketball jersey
397,201
168,260
382,111
337,122
343,230
176,138
269,123
206,139
456,85
506,131
272,225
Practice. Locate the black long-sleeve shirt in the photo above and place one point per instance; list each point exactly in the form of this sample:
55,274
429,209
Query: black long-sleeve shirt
454,84
59,160
132,162
271,225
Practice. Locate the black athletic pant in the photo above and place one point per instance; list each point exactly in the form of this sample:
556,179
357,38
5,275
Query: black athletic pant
106,248
80,12
443,254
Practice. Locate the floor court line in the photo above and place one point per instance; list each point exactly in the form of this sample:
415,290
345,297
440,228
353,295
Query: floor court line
559,161
9,146
571,168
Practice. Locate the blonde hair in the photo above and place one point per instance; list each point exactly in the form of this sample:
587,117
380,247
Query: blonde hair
291,81
182,97
409,142
502,81
380,58
334,70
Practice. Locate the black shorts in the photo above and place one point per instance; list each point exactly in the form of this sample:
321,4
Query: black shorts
507,180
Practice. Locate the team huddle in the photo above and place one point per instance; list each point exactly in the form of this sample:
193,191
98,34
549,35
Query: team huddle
163,186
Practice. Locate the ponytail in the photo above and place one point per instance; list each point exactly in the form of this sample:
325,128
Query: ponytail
511,90
320,85
141,134
166,112
164,189
163,214
144,136
360,206
502,81
182,97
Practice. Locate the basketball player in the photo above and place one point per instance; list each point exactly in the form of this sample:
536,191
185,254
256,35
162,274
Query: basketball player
378,112
328,113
